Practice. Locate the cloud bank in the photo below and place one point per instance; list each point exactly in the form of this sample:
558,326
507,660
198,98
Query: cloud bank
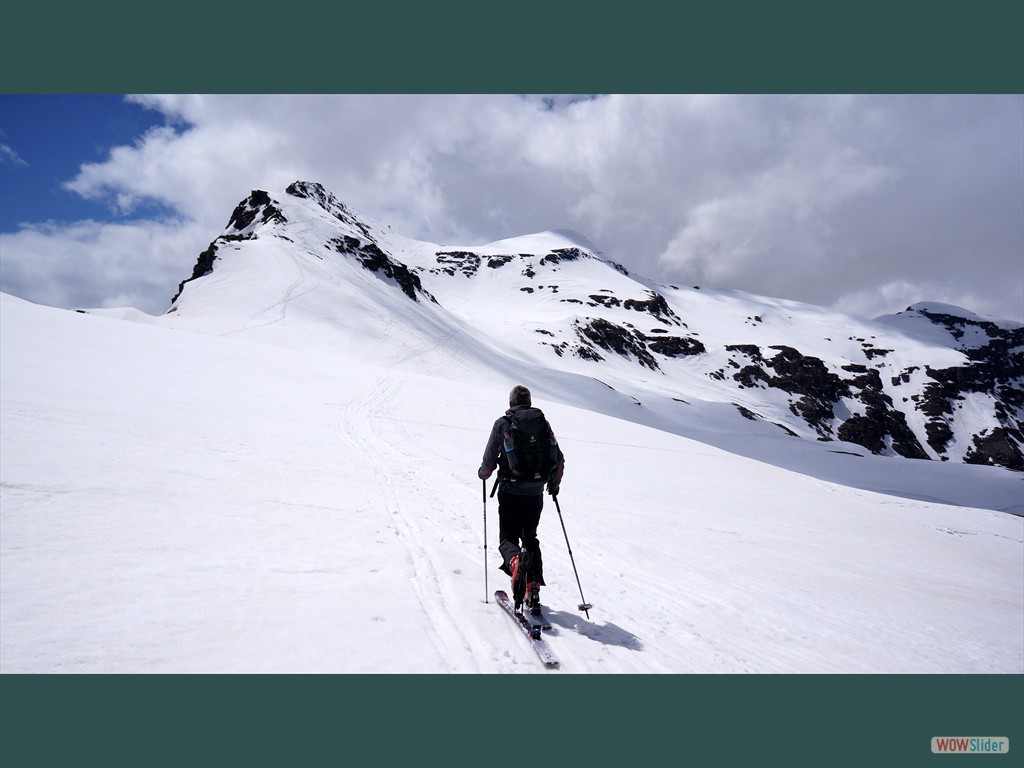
863,203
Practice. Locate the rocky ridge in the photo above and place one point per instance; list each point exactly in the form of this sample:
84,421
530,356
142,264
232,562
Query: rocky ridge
882,388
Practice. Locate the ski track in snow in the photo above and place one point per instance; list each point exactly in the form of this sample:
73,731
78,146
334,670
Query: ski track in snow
439,564
276,312
359,426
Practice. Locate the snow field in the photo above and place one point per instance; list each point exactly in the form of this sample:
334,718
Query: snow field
180,502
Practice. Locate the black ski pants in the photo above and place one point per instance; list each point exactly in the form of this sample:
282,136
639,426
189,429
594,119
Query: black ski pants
518,518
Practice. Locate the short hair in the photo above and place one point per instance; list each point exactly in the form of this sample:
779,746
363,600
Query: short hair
519,395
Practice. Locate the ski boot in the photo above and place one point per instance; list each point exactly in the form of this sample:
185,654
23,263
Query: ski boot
533,597
520,566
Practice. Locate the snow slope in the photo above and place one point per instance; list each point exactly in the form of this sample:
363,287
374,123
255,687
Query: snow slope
302,271
297,493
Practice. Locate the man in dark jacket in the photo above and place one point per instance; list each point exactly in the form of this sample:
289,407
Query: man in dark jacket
521,498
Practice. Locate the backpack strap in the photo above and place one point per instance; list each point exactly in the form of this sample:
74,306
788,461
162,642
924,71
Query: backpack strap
508,444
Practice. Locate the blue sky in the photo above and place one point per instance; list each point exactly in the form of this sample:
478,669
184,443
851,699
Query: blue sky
44,139
861,203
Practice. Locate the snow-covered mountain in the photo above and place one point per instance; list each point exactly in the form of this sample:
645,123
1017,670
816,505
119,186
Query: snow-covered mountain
279,473
933,383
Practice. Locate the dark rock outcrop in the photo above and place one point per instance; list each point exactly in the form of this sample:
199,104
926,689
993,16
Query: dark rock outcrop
675,346
994,368
1000,447
656,306
880,421
559,255
257,207
629,342
615,338
465,262
375,260
311,190
203,266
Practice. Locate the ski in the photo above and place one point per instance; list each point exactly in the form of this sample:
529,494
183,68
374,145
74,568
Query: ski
529,628
537,615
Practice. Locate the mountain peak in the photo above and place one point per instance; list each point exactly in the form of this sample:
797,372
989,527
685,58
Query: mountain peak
548,302
576,239
312,190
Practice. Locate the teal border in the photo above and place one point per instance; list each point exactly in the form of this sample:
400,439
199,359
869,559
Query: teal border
529,47
472,720
555,46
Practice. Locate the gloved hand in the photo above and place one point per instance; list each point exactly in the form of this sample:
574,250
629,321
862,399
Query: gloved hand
484,475
553,490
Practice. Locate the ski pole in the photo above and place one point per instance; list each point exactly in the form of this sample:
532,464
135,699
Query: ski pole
584,606
486,589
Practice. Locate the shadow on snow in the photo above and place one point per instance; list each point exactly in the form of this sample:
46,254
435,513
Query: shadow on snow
606,633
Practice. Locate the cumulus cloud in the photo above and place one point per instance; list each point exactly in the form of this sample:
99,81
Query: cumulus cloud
92,264
893,296
782,216
825,199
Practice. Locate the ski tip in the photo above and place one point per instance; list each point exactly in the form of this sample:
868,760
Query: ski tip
501,595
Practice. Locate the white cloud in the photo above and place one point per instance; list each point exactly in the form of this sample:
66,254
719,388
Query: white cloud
8,155
813,198
91,264
893,296
777,219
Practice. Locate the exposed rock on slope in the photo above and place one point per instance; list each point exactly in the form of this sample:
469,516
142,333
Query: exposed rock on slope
932,382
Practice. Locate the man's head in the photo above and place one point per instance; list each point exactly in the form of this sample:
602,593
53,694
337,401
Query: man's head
519,395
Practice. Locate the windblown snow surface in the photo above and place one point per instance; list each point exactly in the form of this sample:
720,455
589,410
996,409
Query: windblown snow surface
288,484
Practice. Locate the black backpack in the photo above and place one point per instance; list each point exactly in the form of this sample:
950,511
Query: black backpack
530,449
